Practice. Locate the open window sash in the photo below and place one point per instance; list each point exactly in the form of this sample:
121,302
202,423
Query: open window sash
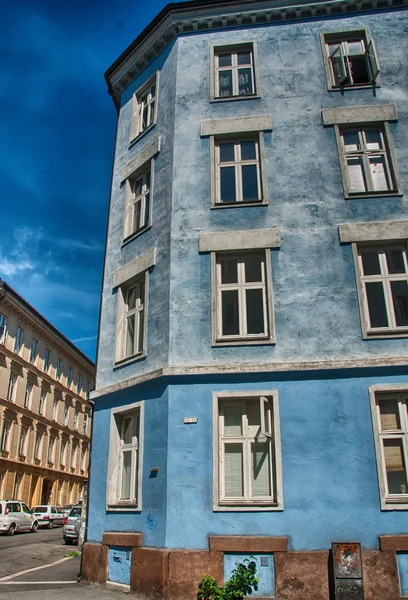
338,62
372,59
265,420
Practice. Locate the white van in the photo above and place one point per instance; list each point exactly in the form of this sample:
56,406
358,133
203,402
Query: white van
16,516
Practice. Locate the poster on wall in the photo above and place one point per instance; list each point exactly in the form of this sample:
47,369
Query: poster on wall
347,570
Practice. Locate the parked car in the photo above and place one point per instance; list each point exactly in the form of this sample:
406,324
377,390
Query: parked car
16,516
72,524
48,515
66,509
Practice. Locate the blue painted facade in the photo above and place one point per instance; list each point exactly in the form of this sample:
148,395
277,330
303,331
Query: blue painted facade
330,480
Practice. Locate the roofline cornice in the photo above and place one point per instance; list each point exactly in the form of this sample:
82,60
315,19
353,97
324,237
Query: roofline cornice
199,16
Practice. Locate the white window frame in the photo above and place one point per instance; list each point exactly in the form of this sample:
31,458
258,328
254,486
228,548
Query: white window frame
38,445
73,456
241,287
63,449
18,342
42,408
340,56
79,384
83,459
142,100
233,49
270,428
11,390
33,351
383,392
47,357
55,409
387,151
17,484
27,395
85,423
238,163
51,449
5,435
69,376
3,328
76,418
66,415
22,441
116,449
124,315
379,332
144,174
58,370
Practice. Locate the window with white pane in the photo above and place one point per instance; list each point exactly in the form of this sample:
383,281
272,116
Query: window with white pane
59,369
69,377
243,296
248,450
76,416
238,170
79,384
383,272
47,357
37,445
66,415
18,341
144,106
22,441
351,59
62,452
33,350
11,390
125,457
390,420
27,396
43,398
137,208
234,68
50,455
368,166
130,330
3,328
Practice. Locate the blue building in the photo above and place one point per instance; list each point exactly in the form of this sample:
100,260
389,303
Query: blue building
252,381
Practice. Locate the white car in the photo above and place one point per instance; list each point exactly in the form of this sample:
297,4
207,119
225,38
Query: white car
16,516
48,515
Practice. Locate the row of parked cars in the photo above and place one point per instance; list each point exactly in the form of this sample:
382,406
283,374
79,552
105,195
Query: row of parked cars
17,516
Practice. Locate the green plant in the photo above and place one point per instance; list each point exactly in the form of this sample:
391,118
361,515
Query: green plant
73,554
240,584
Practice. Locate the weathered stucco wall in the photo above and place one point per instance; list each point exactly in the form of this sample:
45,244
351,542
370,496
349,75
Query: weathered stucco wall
314,289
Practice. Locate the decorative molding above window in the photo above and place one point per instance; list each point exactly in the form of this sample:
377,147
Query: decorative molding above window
135,267
236,125
141,159
236,240
360,114
374,231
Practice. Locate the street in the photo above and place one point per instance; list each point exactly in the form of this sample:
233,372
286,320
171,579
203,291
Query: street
37,566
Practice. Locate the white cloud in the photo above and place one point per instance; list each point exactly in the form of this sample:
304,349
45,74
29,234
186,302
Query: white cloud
9,268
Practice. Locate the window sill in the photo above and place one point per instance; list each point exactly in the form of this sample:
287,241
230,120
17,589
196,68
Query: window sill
385,335
50,463
37,461
247,507
246,342
232,98
140,135
22,457
239,204
123,507
360,86
371,195
134,235
129,360
4,453
394,505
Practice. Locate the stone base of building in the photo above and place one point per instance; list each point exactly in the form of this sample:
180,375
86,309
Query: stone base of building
173,574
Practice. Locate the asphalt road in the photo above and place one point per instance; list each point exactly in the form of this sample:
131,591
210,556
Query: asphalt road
26,551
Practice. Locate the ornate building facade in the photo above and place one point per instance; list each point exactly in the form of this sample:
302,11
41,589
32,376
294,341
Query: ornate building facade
45,414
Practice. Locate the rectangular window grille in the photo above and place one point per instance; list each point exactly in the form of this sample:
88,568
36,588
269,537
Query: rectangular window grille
234,71
238,171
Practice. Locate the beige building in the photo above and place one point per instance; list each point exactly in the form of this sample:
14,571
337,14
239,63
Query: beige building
45,414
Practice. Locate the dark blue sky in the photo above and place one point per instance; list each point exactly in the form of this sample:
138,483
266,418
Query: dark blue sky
56,148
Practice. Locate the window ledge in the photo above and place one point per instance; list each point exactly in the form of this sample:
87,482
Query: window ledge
232,98
4,453
247,507
130,359
239,204
389,505
386,335
264,341
361,86
138,137
371,195
22,457
123,508
133,236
